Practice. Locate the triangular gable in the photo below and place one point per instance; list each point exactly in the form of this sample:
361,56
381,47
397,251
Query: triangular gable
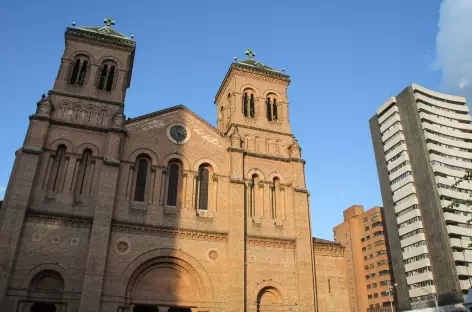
146,121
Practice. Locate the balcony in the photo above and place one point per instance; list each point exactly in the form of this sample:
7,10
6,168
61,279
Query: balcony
419,278
414,252
447,203
417,265
445,122
402,158
413,239
453,194
399,172
463,270
438,111
393,141
389,123
388,113
456,107
408,216
386,105
451,132
458,230
460,256
465,284
451,161
410,227
460,243
412,200
448,151
447,171
448,216
449,181
423,291
448,141
395,151
404,192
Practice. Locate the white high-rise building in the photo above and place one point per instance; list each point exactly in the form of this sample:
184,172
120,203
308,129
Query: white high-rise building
423,143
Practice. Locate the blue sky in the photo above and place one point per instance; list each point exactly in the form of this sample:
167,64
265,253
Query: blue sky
345,58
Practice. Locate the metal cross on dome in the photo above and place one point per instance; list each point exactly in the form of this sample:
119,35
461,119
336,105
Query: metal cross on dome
109,21
250,54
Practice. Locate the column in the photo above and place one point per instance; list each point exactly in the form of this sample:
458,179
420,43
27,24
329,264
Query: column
100,233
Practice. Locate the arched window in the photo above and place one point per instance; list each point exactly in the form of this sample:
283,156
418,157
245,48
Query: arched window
274,203
203,182
269,109
85,171
58,167
107,76
252,106
274,110
252,195
245,104
79,71
222,116
173,184
142,166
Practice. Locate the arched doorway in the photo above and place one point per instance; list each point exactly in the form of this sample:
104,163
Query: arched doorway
43,307
268,299
165,281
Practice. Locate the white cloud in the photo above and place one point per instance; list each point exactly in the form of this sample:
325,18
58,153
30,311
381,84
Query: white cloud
454,47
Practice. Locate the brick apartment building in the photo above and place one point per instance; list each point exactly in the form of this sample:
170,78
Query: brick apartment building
366,258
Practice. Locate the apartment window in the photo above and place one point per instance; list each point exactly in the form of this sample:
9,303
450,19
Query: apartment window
366,219
375,224
369,246
385,283
415,245
408,222
363,249
367,237
416,258
407,210
375,215
368,286
411,234
399,166
362,239
381,252
378,233
401,177
365,257
371,256
369,296
366,267
385,293
371,265
376,295
384,272
419,271
379,243
366,228
374,285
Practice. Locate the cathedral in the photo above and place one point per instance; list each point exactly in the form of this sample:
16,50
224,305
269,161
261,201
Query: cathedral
161,212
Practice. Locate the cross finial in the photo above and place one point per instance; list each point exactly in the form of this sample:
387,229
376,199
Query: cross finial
109,21
250,54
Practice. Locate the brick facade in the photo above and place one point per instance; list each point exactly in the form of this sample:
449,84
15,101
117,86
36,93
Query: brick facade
86,226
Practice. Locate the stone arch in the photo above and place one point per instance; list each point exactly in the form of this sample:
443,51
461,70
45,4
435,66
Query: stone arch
271,91
208,161
65,108
253,171
111,59
181,157
269,286
67,143
154,258
76,53
132,157
275,174
48,267
91,146
250,87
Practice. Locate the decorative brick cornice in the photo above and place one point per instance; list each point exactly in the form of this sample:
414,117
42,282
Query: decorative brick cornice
100,39
87,98
64,220
265,130
284,243
327,248
169,232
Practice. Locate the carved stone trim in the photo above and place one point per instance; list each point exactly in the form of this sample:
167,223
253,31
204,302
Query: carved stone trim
72,221
265,130
111,161
74,33
87,98
237,181
170,232
328,249
301,190
271,242
32,150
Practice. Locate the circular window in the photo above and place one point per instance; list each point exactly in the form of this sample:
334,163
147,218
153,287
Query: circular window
178,133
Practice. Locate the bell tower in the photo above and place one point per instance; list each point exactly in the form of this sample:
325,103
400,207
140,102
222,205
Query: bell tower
253,95
96,65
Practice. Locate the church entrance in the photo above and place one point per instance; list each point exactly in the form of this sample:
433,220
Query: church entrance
43,307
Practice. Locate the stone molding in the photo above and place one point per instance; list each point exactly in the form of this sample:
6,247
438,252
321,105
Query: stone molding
170,232
87,98
36,217
271,242
112,42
